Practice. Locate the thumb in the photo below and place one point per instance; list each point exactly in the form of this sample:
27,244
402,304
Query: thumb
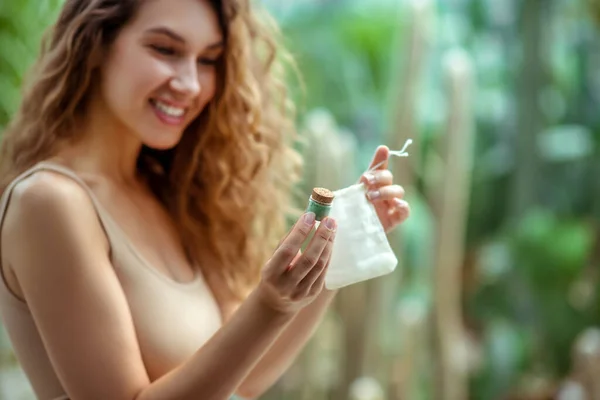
382,154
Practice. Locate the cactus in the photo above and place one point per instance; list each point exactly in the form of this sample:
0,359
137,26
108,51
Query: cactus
411,320
402,103
329,153
404,90
452,218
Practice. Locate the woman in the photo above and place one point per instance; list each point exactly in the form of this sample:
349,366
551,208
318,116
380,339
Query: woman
145,180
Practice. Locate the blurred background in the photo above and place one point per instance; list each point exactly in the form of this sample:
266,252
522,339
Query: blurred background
497,292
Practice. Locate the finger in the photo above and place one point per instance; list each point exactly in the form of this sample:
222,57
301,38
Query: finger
399,213
319,283
389,192
296,257
311,257
377,178
289,231
382,154
402,210
311,278
290,246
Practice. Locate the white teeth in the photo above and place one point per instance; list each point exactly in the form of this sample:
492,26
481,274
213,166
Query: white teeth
169,110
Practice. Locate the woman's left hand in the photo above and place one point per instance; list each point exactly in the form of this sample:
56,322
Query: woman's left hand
387,197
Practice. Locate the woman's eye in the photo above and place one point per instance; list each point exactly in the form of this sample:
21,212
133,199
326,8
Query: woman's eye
166,51
207,61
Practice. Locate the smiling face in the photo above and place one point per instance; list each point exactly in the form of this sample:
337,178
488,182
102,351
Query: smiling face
160,72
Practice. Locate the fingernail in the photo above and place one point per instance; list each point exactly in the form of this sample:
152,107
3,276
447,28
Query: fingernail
374,195
400,202
330,224
370,178
309,218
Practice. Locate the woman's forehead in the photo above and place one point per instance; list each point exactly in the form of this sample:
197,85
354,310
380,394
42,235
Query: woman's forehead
194,21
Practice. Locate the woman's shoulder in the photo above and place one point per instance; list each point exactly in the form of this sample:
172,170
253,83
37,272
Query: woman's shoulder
47,203
46,191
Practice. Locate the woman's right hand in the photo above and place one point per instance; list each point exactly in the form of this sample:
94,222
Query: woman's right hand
291,279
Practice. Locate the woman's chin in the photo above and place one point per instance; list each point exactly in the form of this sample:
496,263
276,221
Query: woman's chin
167,142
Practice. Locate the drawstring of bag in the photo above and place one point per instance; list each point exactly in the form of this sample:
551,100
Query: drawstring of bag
397,153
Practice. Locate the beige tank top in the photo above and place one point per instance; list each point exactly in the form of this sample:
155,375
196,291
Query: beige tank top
172,320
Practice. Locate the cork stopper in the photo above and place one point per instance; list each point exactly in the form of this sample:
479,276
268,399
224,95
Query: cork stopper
322,195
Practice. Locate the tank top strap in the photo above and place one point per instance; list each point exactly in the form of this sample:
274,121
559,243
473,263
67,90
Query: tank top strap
7,297
104,217
60,169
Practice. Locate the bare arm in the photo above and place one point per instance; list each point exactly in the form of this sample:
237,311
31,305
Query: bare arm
287,347
221,365
60,256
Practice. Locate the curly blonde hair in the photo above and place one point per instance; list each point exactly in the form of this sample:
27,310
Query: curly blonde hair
228,183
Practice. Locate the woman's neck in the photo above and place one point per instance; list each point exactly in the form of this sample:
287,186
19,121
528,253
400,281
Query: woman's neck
106,147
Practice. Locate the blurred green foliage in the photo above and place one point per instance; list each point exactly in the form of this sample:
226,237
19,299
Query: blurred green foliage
22,24
535,284
344,57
